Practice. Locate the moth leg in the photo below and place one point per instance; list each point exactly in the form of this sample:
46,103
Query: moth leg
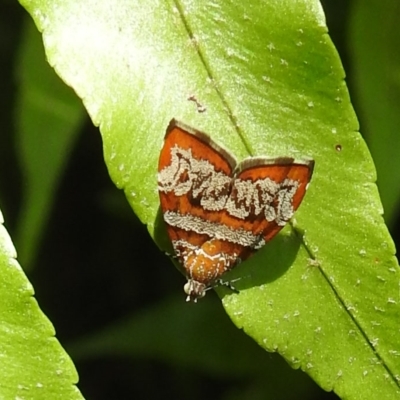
228,284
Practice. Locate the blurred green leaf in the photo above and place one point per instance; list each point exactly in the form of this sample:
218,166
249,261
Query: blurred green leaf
170,331
34,365
196,337
374,30
325,294
48,118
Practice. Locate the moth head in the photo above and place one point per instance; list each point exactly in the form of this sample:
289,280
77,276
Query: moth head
194,290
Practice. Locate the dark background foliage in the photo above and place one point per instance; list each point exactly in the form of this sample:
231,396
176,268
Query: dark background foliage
97,265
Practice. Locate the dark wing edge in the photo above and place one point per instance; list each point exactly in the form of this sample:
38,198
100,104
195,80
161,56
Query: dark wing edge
205,138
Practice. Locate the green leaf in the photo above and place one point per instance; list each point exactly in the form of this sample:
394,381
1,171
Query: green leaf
34,365
324,293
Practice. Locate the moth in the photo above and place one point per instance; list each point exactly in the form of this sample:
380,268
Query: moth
219,212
